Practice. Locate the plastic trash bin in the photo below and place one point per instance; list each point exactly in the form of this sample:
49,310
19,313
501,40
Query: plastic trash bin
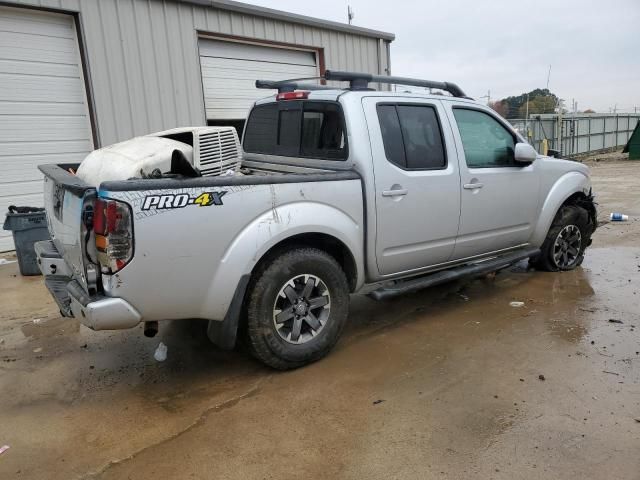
28,225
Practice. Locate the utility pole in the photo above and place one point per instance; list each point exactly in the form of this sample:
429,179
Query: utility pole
526,117
548,76
350,14
487,96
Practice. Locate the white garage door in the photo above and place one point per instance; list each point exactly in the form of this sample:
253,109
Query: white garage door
43,112
230,70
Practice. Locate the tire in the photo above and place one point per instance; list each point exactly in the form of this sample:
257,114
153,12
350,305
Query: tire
557,253
298,305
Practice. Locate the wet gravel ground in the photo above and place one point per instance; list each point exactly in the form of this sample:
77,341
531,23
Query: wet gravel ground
452,383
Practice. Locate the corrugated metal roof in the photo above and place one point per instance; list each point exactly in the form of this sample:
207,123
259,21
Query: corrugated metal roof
291,17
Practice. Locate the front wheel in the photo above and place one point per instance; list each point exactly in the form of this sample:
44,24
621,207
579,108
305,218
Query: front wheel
297,308
566,241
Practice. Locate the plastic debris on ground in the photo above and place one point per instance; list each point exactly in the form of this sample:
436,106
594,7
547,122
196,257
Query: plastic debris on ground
4,448
618,217
517,304
4,261
161,353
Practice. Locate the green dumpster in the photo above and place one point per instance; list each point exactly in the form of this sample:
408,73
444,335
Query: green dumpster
633,145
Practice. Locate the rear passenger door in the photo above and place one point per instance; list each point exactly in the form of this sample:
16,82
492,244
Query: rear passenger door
417,184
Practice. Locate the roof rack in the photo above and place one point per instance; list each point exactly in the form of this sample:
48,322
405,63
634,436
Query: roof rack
284,86
360,81
357,81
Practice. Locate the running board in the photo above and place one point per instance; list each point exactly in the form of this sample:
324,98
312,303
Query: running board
443,276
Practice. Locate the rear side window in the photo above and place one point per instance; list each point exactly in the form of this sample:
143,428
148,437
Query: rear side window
412,136
297,129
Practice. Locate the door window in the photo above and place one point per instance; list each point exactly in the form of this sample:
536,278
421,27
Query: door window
412,136
486,142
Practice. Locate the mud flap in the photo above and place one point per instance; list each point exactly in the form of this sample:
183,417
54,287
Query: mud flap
223,334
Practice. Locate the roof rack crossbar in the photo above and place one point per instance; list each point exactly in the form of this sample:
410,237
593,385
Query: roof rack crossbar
360,81
284,86
357,81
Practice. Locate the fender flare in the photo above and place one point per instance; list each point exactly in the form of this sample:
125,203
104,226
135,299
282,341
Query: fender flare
566,186
228,286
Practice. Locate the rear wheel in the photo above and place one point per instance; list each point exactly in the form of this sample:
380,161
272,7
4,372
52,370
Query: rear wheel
297,308
566,241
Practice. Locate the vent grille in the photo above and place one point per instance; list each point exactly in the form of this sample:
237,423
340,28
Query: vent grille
219,151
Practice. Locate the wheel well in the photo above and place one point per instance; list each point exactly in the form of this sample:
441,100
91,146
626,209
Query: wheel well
327,243
585,201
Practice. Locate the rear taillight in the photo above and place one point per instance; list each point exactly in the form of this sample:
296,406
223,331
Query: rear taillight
114,234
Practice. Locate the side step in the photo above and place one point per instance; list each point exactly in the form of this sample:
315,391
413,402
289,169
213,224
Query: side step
443,276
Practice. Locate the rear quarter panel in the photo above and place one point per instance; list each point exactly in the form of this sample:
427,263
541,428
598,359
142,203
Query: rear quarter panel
188,261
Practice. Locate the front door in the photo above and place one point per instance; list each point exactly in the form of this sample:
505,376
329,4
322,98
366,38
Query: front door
417,184
499,195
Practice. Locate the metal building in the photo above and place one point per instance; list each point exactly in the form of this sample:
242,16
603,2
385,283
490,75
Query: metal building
79,74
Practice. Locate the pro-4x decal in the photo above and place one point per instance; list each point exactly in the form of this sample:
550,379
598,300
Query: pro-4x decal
180,200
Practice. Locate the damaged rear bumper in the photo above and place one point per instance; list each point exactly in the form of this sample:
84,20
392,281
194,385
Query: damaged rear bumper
97,312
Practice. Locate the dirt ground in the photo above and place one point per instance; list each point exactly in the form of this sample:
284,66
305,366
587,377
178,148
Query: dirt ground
448,383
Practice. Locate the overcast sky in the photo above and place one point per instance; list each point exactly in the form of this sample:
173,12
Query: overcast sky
506,46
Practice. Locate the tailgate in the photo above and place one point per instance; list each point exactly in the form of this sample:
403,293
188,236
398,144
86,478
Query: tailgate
65,196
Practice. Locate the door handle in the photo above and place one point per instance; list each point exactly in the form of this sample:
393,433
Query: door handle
395,193
472,186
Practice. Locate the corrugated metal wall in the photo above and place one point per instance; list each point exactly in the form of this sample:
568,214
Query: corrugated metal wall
581,133
144,65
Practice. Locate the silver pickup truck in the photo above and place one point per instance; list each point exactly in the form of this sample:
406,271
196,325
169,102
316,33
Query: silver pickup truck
345,190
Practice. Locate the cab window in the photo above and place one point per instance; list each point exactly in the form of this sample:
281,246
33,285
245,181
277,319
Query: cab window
297,129
487,143
412,136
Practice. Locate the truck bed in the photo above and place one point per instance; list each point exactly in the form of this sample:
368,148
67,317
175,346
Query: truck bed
195,238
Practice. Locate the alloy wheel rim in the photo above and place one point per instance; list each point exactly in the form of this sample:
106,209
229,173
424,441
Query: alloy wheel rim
566,247
301,309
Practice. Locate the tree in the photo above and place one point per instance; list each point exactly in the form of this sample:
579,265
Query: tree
588,110
501,107
537,105
541,100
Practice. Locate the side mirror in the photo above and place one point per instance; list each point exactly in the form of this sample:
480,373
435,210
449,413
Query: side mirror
525,153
